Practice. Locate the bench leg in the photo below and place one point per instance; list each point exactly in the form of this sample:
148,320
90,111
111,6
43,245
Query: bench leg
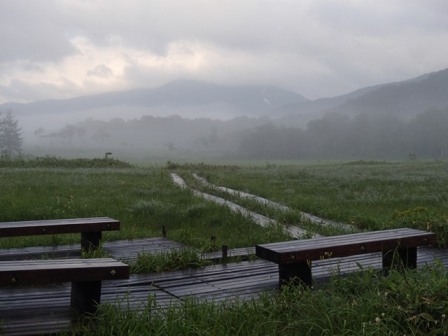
90,240
85,296
297,273
400,258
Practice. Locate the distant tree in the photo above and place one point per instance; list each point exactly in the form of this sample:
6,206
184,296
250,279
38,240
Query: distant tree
272,142
40,131
170,146
10,136
428,135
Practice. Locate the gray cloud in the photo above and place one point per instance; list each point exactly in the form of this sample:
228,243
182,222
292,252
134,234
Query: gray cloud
32,30
59,49
102,71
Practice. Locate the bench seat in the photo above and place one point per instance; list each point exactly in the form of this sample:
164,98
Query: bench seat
90,228
294,257
85,276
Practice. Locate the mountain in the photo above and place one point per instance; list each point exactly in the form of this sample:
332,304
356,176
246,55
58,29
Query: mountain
403,99
197,99
174,96
252,99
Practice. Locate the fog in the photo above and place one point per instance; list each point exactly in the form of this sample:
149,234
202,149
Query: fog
334,136
191,120
224,79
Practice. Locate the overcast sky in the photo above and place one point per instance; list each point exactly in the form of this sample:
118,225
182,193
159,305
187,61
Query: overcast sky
318,48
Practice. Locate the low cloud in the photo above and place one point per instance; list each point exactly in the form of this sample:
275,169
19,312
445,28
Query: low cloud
68,48
101,71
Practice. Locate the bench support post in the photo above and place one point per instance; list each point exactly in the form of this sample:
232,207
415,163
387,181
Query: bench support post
90,240
399,258
296,273
85,296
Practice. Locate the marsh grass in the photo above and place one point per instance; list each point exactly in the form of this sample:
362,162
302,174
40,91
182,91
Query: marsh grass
288,217
144,200
325,230
55,162
368,195
364,303
99,252
168,261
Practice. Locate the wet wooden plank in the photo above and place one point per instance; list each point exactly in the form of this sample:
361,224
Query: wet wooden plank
295,251
32,272
123,249
85,276
58,226
91,229
127,250
233,281
242,252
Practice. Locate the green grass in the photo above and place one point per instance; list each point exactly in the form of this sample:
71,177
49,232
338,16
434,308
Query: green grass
144,200
369,195
283,217
54,162
410,303
168,261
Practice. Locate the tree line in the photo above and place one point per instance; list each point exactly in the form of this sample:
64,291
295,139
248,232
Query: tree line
334,136
10,136
365,136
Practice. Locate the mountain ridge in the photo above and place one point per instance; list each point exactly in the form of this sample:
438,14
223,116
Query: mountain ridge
403,99
175,93
194,99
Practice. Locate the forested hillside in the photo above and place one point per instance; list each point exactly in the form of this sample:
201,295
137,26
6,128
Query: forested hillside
365,136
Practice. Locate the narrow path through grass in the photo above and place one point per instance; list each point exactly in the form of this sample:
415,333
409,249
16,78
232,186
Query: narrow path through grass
306,216
295,231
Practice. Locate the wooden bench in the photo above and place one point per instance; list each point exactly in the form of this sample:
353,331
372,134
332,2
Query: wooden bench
294,257
85,276
90,228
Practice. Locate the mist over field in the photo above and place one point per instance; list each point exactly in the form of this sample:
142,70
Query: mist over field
255,80
200,120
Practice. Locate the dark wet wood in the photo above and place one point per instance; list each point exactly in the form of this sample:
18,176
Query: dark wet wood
298,273
31,272
127,250
344,245
58,226
90,228
398,247
33,310
85,276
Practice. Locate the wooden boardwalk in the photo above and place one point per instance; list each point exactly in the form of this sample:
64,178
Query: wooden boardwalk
122,249
46,308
